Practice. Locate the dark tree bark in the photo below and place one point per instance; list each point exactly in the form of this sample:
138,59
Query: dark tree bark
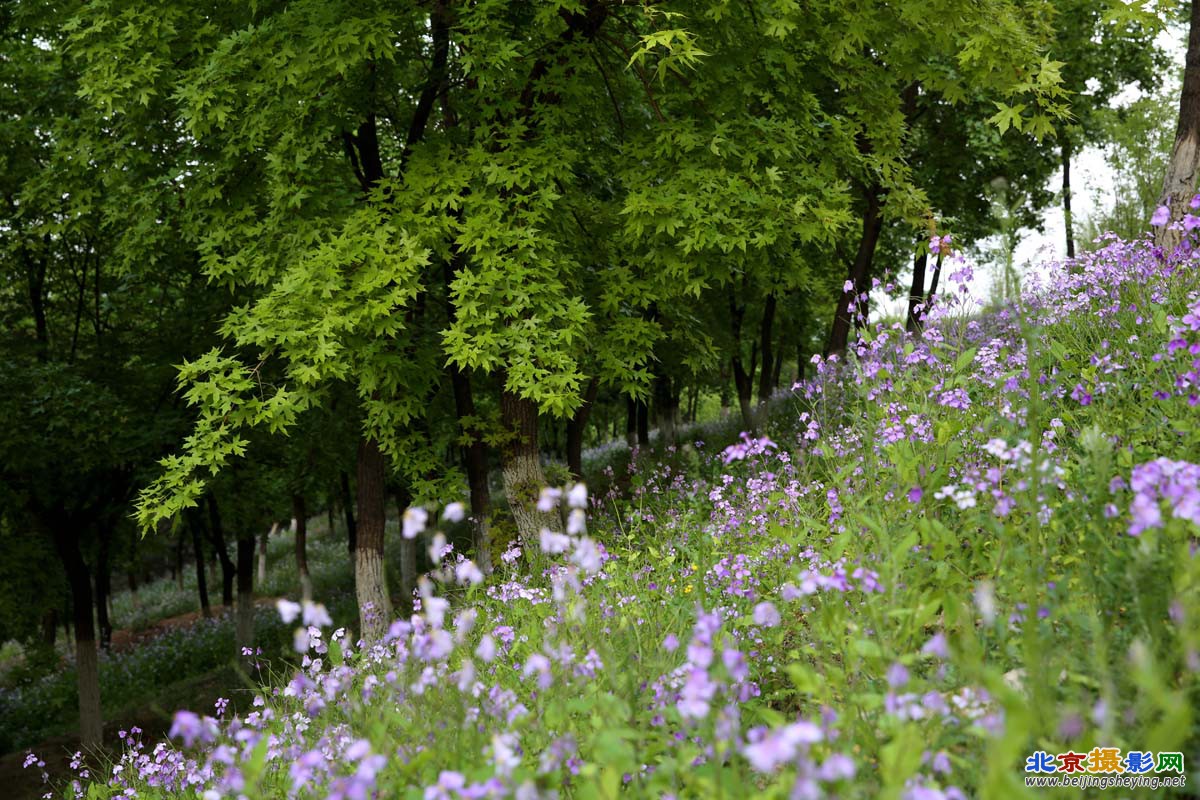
49,626
522,469
300,514
664,410
370,578
631,420
244,625
743,380
916,293
348,508
643,423
216,536
408,557
933,285
1180,181
87,663
177,563
474,454
104,584
576,427
193,517
766,348
1068,219
849,306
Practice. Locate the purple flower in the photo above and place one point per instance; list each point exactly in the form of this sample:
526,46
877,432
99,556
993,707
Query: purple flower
190,727
696,694
454,512
897,675
1160,217
936,646
766,614
671,643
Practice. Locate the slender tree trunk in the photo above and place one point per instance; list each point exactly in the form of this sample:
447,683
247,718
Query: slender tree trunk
1068,219
300,515
104,585
663,411
348,508
49,627
244,622
916,294
262,552
193,517
522,469
474,454
765,346
370,578
216,533
87,662
859,275
177,563
933,286
643,423
631,419
408,558
743,381
576,427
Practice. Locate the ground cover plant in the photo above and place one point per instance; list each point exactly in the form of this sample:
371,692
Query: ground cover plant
953,552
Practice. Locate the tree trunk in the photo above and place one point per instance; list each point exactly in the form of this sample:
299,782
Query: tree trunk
244,623
216,534
664,413
916,294
300,515
643,423
87,662
49,627
193,517
262,553
767,352
631,418
576,427
1068,219
522,469
859,275
348,508
370,578
474,457
743,381
104,586
1179,184
177,563
408,558
933,285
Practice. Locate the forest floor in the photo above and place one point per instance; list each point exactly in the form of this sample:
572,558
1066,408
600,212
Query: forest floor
153,715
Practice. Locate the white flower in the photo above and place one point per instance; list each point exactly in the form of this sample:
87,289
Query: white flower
548,499
316,615
576,522
436,547
288,611
455,512
414,521
467,573
554,543
577,497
